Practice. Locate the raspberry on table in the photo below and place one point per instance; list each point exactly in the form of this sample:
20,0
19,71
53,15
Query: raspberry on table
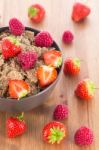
67,37
84,136
61,112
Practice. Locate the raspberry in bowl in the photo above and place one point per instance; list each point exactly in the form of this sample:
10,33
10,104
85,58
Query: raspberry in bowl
28,71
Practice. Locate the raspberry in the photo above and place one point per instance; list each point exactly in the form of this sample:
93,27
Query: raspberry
16,27
84,136
67,37
43,39
27,60
61,112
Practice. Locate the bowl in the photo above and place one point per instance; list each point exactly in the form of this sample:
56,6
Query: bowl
28,103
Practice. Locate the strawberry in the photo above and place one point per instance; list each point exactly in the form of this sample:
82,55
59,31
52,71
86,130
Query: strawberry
15,126
71,66
53,58
54,132
18,89
46,75
85,89
36,13
10,47
80,12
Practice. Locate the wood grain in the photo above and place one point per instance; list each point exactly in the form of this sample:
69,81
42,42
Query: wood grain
85,46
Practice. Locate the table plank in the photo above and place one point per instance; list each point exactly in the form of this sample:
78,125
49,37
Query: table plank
86,47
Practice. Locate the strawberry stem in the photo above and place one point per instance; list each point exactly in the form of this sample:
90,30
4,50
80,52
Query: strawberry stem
20,117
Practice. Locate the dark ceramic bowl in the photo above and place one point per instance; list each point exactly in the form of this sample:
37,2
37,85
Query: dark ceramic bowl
27,103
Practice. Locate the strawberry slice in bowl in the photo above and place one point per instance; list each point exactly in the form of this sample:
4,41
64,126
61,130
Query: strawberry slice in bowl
18,89
53,58
46,75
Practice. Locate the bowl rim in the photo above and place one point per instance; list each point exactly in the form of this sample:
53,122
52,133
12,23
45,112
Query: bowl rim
47,88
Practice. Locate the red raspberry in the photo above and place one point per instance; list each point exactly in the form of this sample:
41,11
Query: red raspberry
27,60
61,112
16,27
67,37
84,136
43,39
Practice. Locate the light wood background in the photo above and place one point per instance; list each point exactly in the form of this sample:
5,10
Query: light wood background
86,47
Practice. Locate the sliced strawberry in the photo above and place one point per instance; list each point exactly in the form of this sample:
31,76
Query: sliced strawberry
80,12
54,132
46,75
10,47
53,58
18,88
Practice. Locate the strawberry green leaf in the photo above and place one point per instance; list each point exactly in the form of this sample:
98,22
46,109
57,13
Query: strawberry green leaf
32,11
58,62
77,62
14,40
91,87
56,135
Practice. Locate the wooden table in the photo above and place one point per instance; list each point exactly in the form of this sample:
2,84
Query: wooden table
86,47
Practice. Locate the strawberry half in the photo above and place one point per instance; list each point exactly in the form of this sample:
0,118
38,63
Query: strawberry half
36,13
80,12
10,47
53,58
46,75
18,88
15,126
85,89
54,132
71,66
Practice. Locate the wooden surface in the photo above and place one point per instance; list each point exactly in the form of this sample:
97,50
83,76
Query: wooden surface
86,47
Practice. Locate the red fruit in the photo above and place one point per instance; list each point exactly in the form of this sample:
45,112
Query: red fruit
15,127
46,75
71,66
27,59
36,13
61,112
10,47
16,27
18,88
67,37
43,39
80,12
54,132
53,58
84,136
85,89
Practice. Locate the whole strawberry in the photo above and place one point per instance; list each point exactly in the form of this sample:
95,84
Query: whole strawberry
43,39
15,126
80,12
61,112
16,27
11,47
84,136
71,66
54,132
36,13
85,89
